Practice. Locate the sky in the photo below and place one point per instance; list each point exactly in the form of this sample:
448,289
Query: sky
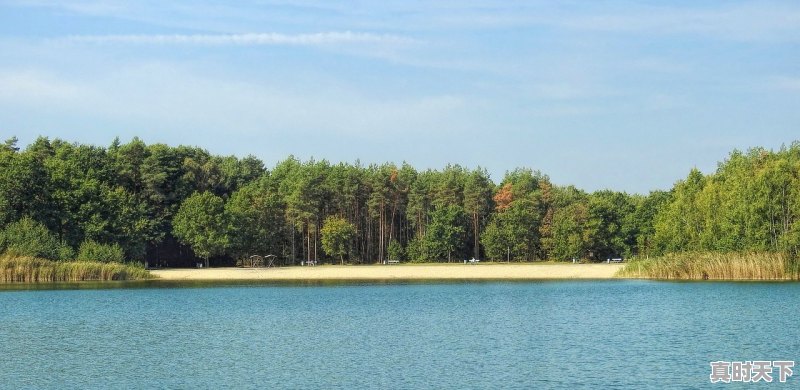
622,95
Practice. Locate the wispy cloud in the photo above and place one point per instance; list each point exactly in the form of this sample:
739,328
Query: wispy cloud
250,39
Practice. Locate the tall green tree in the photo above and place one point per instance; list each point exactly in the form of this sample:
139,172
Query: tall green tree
644,216
477,204
612,231
336,235
255,214
201,223
570,234
420,203
513,232
498,237
679,224
445,234
24,185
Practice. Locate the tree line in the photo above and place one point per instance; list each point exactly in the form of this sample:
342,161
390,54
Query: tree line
172,205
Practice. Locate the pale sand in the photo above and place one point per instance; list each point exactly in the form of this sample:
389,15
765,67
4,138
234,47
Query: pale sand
400,272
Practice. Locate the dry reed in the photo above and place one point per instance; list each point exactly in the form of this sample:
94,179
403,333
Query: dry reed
31,270
714,266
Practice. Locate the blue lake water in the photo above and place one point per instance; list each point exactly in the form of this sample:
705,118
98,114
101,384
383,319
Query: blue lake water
559,334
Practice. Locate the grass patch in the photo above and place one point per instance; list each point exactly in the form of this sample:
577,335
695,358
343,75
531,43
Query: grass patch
714,266
31,270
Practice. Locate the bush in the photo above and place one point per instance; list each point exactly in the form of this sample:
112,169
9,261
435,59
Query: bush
417,251
66,253
104,253
27,237
396,251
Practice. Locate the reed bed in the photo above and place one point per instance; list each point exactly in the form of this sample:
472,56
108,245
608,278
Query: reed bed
714,266
31,270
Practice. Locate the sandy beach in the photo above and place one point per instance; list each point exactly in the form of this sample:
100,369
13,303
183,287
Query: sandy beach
400,272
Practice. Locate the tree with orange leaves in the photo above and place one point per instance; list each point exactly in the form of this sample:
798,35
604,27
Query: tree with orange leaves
504,197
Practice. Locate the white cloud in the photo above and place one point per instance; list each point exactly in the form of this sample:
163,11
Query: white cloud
740,20
313,39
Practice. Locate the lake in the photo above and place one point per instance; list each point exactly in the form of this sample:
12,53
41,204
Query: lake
553,334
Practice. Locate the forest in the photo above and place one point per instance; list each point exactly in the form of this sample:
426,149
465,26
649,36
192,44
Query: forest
173,206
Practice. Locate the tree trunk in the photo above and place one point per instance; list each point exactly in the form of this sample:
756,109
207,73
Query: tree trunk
294,249
391,222
308,243
382,239
476,224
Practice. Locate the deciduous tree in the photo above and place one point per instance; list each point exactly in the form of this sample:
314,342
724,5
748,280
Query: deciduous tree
201,223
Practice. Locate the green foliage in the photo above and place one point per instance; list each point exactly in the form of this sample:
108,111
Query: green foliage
103,253
336,234
497,238
148,199
419,250
512,234
66,252
443,237
255,214
679,224
750,204
10,145
646,210
27,237
570,233
611,224
23,186
477,205
396,251
445,232
202,224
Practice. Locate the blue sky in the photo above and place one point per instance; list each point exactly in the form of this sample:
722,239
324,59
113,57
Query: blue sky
627,95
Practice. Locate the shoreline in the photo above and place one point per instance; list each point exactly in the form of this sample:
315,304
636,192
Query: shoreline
379,272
